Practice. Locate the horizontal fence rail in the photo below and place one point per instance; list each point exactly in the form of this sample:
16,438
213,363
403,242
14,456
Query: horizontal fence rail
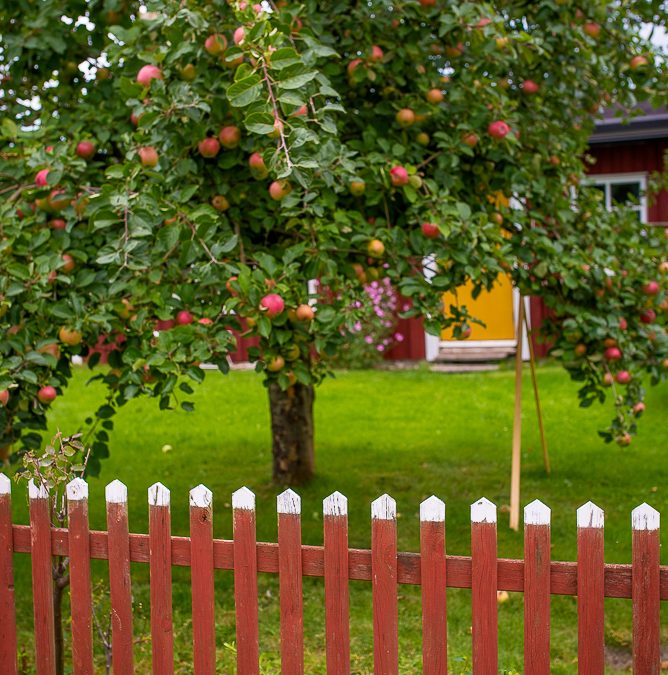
644,581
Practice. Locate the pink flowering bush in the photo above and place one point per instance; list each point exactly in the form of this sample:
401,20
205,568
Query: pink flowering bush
370,326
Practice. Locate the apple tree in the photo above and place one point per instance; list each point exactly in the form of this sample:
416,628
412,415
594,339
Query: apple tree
172,170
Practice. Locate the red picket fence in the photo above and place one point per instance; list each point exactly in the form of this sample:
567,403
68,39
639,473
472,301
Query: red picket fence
590,579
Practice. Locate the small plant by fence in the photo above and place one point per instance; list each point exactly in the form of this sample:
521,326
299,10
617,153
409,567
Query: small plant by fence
590,579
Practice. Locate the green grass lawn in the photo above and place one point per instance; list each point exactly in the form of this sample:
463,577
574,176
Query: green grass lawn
410,434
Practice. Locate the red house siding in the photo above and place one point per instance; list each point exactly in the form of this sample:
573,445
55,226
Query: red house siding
637,157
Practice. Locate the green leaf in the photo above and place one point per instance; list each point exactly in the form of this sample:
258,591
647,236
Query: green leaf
245,91
284,57
298,81
260,123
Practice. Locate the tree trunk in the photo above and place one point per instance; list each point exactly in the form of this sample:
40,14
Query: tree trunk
292,433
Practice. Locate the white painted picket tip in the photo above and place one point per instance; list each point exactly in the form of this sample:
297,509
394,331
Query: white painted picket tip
483,511
644,517
590,515
116,493
77,490
158,495
201,497
537,513
289,502
5,485
432,510
35,492
244,499
384,508
335,505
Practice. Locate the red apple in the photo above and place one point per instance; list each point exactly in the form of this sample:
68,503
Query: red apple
398,176
279,189
623,323
663,267
470,139
651,288
148,156
305,313
376,53
275,364
608,379
638,61
69,336
580,349
57,224
220,203
40,178
184,317
357,188
625,439
639,408
648,316
434,96
68,263
257,166
272,304
405,117
230,137
215,44
530,87
352,65
498,129
592,29
148,73
208,147
205,321
85,149
612,354
4,396
430,230
47,394
165,324
623,377
375,248
239,35
54,202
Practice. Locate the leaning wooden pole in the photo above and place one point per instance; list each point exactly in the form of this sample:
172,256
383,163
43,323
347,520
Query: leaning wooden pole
539,413
517,427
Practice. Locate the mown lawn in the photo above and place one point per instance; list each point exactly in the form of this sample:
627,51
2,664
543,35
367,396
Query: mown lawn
409,433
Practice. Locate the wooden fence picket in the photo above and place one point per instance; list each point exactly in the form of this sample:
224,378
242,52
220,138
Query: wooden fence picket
8,645
42,579
288,506
645,591
80,581
160,565
337,601
433,582
245,582
591,590
202,586
120,590
484,616
537,589
384,585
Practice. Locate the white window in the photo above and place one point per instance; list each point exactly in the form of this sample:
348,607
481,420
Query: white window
627,189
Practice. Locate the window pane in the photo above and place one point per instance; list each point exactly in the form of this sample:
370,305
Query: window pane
625,192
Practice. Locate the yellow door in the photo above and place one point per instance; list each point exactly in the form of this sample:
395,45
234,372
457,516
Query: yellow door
494,308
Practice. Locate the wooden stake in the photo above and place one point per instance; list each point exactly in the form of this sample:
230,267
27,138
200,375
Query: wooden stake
539,414
517,427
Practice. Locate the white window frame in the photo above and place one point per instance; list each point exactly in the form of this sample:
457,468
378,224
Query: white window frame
609,179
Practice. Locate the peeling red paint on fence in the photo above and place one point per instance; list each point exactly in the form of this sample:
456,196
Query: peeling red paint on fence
590,579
